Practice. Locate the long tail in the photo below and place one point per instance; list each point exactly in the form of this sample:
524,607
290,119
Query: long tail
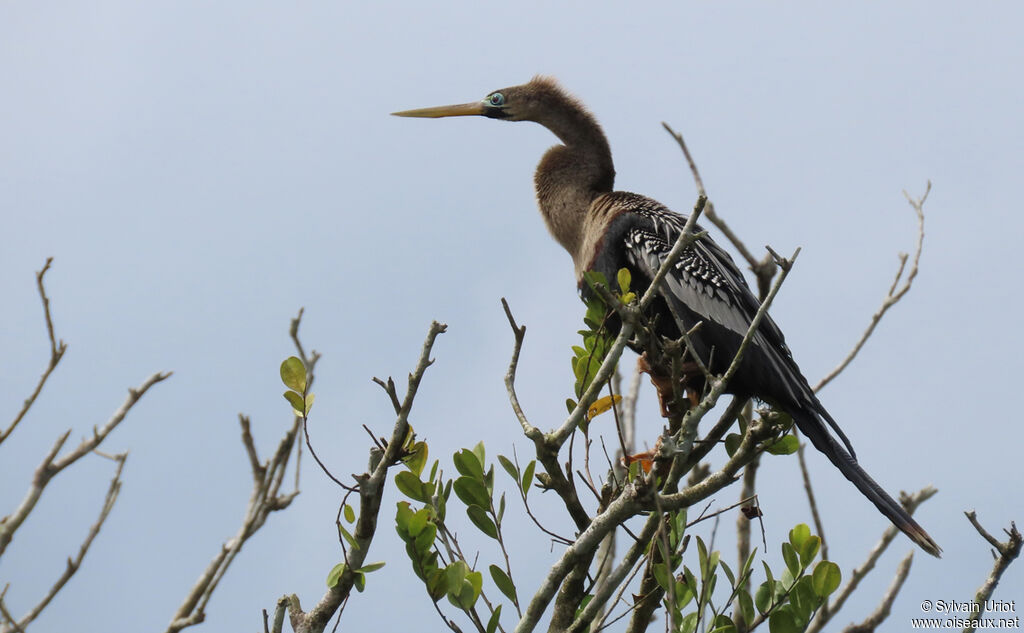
811,424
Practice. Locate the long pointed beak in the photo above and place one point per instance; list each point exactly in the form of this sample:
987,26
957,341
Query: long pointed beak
463,109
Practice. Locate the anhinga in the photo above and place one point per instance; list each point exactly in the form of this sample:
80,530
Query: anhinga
606,230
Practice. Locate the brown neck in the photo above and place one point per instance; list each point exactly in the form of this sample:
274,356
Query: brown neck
570,176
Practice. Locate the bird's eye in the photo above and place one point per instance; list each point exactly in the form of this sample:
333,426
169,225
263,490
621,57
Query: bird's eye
496,99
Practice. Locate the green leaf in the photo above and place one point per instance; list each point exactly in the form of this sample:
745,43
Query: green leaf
492,623
623,277
501,508
785,445
809,549
411,486
402,518
728,573
366,569
359,581
763,597
702,557
437,584
570,404
683,594
483,522
660,571
478,450
826,578
417,522
528,476
723,624
348,537
467,464
350,514
732,442
472,492
509,467
309,404
689,622
804,601
293,375
782,621
792,560
476,580
295,400
504,583
335,575
416,460
746,606
456,573
799,534
425,539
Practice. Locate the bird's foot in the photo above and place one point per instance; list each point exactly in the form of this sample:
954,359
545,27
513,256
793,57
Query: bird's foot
663,384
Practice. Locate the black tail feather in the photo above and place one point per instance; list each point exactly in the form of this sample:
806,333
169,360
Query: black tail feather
810,424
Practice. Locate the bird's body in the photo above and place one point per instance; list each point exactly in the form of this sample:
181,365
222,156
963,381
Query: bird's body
605,230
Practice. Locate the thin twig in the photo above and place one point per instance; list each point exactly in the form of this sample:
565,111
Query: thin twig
1007,553
73,564
52,465
764,268
873,621
894,294
57,350
264,499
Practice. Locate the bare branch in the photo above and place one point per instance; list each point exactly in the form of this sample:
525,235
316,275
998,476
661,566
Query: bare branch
510,376
895,293
57,350
884,608
1008,552
264,499
764,268
73,564
8,618
51,464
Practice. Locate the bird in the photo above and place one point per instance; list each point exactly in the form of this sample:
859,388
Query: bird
605,230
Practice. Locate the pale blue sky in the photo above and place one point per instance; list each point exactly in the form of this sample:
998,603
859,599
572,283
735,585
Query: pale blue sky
200,171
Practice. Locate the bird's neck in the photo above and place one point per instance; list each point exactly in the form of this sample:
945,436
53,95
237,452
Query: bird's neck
570,176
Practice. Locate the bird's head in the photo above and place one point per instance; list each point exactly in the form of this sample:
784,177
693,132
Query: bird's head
528,102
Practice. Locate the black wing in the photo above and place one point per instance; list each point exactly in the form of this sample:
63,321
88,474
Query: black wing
706,286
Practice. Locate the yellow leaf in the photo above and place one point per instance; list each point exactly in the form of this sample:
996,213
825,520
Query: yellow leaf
602,405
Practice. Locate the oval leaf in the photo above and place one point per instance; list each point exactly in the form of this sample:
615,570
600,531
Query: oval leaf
782,621
799,534
785,445
809,549
504,583
293,374
472,492
467,464
528,476
295,400
411,486
792,560
492,624
602,405
335,575
480,519
826,578
509,467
